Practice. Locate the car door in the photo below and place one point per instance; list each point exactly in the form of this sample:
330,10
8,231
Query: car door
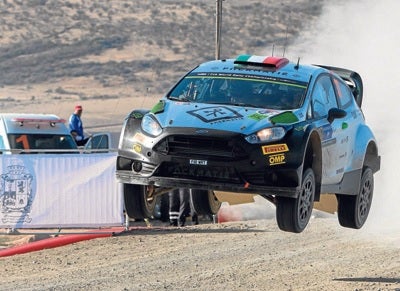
98,142
323,99
350,122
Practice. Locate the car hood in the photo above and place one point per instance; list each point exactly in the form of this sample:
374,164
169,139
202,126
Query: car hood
245,120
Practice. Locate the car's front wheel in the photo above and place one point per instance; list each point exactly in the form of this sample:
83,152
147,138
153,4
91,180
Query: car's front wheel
293,214
137,203
204,202
353,210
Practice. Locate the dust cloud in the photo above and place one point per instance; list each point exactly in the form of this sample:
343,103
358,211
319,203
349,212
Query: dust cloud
364,36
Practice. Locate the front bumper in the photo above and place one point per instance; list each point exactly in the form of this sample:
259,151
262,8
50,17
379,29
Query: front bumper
220,160
165,182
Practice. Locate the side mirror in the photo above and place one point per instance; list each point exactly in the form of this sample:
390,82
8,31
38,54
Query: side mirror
334,113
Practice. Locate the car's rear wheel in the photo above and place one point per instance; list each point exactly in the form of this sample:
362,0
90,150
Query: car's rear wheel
137,203
293,214
205,202
161,210
353,210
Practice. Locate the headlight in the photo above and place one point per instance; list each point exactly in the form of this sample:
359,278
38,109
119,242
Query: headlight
151,126
266,135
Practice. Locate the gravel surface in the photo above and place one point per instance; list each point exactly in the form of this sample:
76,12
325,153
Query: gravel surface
250,255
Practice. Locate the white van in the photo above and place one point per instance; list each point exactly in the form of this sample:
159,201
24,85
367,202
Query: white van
42,133
34,133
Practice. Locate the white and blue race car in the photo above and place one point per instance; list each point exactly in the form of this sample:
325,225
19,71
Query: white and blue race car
255,124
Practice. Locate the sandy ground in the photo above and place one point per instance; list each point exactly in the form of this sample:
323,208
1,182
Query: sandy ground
252,254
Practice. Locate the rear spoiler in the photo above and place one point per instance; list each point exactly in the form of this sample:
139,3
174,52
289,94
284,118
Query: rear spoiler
352,79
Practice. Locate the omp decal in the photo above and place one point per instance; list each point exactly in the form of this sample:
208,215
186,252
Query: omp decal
277,159
137,148
215,113
274,149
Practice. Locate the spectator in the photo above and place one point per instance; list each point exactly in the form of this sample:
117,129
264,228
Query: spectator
180,207
76,126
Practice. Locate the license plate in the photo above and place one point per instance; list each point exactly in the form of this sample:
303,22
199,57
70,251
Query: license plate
198,162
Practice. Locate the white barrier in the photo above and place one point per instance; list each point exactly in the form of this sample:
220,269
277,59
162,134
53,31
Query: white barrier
59,191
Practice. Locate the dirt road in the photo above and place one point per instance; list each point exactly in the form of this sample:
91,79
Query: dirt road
250,255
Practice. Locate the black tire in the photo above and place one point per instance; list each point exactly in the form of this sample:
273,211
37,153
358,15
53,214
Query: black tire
137,205
204,202
293,214
164,208
353,210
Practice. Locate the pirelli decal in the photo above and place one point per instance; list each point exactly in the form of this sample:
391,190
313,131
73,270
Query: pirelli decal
275,149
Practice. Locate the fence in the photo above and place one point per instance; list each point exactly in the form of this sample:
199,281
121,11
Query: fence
59,191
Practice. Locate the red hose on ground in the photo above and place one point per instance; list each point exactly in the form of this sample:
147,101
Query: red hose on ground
58,241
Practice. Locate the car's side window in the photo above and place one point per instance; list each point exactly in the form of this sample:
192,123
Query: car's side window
343,92
323,97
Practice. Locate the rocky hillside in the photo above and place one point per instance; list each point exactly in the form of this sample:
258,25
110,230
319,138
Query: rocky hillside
141,44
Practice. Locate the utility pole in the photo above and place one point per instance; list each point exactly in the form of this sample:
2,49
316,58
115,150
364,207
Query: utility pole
218,25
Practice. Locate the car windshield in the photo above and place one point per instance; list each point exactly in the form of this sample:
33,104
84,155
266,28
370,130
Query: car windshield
41,142
242,90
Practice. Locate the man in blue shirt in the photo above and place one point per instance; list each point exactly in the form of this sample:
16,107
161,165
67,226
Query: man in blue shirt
76,126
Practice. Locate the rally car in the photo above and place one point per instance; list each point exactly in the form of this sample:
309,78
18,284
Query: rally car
255,124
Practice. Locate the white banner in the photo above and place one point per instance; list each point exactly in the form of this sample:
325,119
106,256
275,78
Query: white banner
59,190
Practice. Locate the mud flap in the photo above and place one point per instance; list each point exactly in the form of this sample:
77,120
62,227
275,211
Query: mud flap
327,203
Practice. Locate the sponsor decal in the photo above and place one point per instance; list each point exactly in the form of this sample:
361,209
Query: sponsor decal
274,149
262,114
284,118
339,171
139,137
136,115
344,140
258,116
277,159
329,142
16,194
137,148
201,131
326,132
198,162
268,112
159,107
215,114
